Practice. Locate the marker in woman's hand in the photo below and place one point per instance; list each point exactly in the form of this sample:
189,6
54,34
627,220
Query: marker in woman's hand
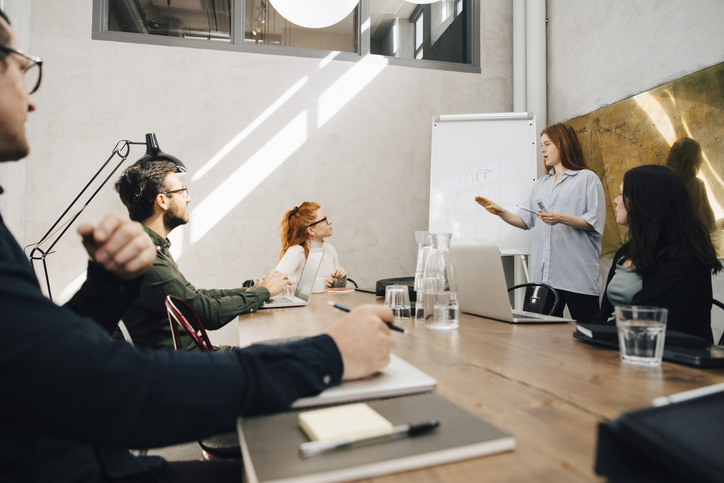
526,209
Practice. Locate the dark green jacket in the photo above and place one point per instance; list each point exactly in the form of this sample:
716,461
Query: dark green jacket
147,320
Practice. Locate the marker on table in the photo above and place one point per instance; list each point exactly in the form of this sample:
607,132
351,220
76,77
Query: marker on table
526,209
398,432
344,308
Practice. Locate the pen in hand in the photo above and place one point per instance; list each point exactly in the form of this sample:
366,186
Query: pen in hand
398,432
344,308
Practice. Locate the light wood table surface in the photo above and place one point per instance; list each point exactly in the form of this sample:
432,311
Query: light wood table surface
534,381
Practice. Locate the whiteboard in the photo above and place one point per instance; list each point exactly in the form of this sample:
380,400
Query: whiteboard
490,155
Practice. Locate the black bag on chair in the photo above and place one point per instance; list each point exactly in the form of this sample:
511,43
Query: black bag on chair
381,286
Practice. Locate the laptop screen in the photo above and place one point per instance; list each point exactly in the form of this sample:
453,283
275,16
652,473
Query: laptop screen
309,273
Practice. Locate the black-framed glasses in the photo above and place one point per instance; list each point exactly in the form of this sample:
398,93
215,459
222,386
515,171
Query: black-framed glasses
32,72
329,222
184,192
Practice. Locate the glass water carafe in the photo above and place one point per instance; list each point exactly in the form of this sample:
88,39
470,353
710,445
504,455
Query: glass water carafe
439,285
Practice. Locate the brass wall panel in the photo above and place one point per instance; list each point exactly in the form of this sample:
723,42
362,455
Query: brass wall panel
641,130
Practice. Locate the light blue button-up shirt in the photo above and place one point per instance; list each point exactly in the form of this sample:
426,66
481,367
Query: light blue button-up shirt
562,256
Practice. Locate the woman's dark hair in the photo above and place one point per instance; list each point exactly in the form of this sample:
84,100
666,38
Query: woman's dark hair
139,185
661,220
569,147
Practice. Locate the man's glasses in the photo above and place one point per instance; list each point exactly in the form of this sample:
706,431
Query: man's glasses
184,192
320,221
33,71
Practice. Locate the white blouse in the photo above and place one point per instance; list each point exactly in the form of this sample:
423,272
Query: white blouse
293,261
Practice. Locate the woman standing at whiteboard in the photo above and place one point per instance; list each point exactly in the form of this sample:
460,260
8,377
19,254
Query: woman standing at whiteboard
567,215
302,228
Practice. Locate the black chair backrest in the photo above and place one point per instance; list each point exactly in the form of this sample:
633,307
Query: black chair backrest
540,298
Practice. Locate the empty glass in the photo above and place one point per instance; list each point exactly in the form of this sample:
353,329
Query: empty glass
397,297
442,311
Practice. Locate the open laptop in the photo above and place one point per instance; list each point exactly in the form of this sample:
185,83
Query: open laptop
482,289
304,286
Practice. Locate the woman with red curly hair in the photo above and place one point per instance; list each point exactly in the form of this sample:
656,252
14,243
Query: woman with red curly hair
302,228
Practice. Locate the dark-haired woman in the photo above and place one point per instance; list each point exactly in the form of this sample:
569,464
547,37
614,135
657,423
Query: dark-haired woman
566,246
668,258
302,228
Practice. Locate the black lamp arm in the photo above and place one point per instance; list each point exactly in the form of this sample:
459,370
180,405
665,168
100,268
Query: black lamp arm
122,150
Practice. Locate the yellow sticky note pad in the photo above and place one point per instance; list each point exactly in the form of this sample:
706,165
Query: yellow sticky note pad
342,422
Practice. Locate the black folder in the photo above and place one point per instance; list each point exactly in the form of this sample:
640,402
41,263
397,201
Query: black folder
680,442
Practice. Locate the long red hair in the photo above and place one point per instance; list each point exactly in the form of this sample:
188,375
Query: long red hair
566,140
293,228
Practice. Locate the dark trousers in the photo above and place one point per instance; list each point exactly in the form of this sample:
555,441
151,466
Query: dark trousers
227,471
582,307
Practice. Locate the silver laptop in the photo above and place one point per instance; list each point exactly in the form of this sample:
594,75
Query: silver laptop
482,289
304,286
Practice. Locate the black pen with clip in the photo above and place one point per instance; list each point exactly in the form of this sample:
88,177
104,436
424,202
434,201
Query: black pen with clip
344,308
312,448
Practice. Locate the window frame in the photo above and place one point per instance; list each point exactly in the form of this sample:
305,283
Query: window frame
236,44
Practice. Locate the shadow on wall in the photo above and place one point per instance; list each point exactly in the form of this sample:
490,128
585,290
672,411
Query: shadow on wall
677,124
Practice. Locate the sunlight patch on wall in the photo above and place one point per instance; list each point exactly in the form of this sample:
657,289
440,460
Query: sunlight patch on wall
249,129
176,238
249,175
347,87
70,289
324,62
657,114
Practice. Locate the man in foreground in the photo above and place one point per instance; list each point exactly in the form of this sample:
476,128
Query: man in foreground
73,398
156,198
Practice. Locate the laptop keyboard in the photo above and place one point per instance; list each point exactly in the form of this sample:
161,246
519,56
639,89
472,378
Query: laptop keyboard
281,299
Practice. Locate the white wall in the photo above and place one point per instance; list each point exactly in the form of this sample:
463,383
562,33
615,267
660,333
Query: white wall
12,175
367,164
602,52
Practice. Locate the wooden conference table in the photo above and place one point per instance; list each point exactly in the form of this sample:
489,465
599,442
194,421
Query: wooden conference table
534,381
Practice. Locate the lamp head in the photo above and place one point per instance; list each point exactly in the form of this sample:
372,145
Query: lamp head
154,153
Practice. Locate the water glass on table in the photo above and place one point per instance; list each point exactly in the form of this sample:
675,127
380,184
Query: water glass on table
397,297
289,290
641,334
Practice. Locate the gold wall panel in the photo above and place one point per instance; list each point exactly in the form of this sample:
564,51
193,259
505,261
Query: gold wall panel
641,130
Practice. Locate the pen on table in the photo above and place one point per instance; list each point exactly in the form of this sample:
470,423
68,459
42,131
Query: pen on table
526,209
344,308
312,448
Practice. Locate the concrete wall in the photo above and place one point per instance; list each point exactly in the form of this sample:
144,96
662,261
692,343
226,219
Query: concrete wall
354,136
602,52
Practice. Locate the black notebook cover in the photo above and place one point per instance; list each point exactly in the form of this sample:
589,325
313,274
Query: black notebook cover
270,444
608,335
678,442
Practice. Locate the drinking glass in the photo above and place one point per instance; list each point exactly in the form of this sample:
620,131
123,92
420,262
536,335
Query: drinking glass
641,334
397,297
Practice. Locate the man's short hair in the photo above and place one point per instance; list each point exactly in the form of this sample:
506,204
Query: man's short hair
4,36
139,185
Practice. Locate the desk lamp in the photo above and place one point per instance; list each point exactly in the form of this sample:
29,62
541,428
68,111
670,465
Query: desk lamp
122,149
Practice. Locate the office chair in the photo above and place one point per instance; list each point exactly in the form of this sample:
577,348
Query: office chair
538,297
176,317
222,446
721,306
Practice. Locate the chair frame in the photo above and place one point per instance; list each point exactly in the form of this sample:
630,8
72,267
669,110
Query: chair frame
176,318
556,299
721,306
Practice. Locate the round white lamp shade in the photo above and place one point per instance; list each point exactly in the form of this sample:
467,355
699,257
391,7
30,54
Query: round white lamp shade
314,14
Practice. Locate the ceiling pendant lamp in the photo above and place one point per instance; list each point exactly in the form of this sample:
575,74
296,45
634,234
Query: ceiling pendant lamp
314,14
